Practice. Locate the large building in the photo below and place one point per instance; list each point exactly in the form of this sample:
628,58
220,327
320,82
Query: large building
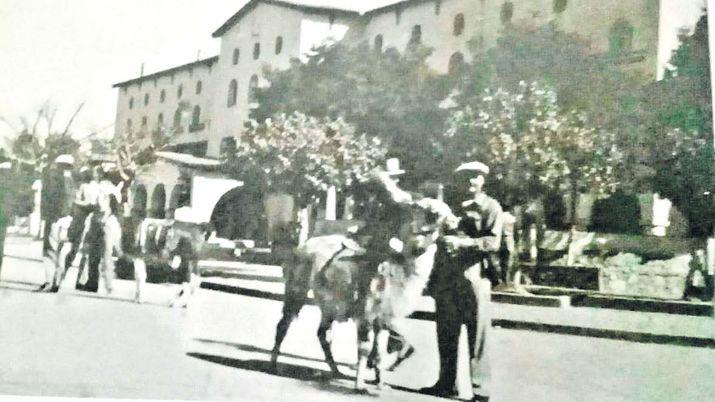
202,105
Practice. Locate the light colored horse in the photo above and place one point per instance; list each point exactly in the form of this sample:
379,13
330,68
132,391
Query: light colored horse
167,241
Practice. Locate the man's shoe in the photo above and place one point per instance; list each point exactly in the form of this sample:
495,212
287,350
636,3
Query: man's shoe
44,287
480,398
440,391
53,289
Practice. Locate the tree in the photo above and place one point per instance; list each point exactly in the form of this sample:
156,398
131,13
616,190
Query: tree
36,144
386,94
305,155
583,79
677,133
529,141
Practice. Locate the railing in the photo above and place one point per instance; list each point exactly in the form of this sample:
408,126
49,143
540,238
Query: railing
196,127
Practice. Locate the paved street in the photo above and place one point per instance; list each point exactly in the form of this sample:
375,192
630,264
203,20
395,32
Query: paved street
69,344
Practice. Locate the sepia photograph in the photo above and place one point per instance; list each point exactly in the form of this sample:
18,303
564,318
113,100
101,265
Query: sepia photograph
357,200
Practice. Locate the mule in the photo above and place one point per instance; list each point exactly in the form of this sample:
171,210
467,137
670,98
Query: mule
348,284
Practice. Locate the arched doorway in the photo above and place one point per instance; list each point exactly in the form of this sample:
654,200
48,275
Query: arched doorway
158,202
139,199
238,214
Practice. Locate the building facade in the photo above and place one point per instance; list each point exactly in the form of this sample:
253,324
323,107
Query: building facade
203,104
201,107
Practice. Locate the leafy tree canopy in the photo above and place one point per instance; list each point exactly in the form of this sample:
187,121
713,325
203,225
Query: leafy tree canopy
386,94
305,155
532,143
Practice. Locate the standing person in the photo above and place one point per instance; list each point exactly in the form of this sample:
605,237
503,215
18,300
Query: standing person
4,188
469,244
85,199
55,202
101,238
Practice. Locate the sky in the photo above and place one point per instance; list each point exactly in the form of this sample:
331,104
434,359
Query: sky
71,51
66,52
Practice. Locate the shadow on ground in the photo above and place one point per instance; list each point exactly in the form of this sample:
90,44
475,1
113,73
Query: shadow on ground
320,379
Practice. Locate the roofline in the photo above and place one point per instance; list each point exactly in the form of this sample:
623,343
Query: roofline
209,61
252,4
393,6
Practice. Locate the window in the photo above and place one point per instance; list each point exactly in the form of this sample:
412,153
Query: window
458,24
279,45
131,103
198,87
160,120
162,96
620,37
227,147
196,116
145,122
146,99
252,86
416,35
129,126
507,12
177,118
456,64
437,7
398,16
180,91
378,44
236,55
232,91
256,51
560,6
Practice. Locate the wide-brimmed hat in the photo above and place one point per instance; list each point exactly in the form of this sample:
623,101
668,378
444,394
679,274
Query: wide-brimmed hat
6,165
392,167
66,159
473,168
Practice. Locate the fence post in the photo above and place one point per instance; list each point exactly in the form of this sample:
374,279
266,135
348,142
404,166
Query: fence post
710,262
331,204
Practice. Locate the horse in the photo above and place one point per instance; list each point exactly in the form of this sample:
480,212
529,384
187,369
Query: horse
167,242
348,284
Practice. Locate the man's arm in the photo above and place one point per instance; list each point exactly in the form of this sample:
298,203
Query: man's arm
490,242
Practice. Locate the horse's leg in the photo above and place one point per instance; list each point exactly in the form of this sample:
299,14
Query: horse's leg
365,347
139,277
323,329
281,332
405,348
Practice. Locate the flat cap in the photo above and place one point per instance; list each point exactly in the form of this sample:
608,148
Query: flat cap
473,167
67,159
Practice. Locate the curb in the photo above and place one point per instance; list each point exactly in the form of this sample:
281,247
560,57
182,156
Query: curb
542,301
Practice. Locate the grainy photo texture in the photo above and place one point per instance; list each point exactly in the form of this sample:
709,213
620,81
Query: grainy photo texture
357,200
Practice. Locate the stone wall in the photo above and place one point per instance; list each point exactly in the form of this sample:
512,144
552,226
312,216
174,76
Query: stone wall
624,274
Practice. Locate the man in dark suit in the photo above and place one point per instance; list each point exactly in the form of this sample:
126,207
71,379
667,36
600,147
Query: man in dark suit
56,202
470,244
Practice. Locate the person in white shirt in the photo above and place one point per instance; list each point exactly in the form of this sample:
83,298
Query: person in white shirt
102,238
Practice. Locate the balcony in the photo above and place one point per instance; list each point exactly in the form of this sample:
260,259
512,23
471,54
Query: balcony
628,57
197,127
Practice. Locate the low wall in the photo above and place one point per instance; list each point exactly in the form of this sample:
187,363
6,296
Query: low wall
661,278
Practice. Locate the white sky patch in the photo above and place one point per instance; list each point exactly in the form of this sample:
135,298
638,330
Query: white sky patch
72,51
675,16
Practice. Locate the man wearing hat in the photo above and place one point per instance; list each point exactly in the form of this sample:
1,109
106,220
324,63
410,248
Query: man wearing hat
56,201
461,296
